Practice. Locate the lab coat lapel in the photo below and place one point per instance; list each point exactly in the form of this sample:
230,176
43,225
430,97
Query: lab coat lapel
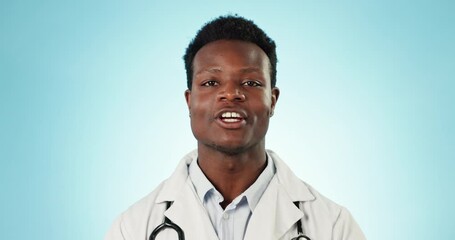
276,212
274,215
186,211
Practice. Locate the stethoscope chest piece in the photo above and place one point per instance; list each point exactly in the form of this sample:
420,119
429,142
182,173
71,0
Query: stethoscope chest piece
301,237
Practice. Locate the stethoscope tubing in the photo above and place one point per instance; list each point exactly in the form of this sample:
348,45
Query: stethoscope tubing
181,235
167,224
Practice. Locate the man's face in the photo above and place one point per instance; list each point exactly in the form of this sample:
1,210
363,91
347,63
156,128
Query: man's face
231,99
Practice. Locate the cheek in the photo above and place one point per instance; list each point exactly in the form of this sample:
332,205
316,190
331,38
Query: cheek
200,108
201,113
197,103
262,114
266,105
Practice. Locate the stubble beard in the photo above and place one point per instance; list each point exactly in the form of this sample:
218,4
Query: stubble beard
232,151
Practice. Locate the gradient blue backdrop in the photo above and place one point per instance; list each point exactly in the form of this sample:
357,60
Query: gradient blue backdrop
92,114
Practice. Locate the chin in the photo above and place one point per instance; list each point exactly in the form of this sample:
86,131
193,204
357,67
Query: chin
231,149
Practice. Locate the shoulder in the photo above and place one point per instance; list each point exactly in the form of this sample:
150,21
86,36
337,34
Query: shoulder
325,212
141,208
329,216
324,205
321,210
299,190
135,220
343,224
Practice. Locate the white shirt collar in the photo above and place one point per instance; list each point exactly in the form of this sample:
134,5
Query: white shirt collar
252,194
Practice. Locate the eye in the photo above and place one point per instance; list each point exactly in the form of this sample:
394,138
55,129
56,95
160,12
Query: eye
251,83
210,83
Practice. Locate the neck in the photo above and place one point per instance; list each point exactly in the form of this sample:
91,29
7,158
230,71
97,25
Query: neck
231,174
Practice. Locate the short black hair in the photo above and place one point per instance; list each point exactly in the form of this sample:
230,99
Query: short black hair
230,27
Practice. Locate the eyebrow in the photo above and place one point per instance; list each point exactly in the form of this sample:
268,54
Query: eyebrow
250,69
210,70
218,69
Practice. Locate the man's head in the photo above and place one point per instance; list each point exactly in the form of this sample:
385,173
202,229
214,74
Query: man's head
231,95
230,28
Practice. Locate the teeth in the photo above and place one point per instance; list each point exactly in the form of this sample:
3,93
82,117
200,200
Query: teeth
231,120
230,115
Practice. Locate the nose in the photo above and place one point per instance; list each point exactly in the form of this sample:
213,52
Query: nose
231,92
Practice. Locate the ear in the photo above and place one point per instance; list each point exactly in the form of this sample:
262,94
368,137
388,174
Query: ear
275,95
188,98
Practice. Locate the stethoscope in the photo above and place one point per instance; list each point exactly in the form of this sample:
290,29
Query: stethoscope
181,235
167,224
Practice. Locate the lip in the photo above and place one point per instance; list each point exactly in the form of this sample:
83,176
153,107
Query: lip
234,124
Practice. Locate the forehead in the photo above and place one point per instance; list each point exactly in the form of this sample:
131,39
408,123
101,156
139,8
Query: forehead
230,54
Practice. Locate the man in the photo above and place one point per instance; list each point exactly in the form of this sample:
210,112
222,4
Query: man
231,188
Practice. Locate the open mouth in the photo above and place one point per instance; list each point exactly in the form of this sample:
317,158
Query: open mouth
231,117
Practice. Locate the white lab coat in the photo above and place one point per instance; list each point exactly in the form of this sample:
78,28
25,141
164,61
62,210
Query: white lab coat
274,217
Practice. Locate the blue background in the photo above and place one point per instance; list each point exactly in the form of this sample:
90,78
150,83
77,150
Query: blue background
92,113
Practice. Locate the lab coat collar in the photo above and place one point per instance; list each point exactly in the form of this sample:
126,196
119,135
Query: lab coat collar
274,215
276,212
186,211
173,185
294,187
